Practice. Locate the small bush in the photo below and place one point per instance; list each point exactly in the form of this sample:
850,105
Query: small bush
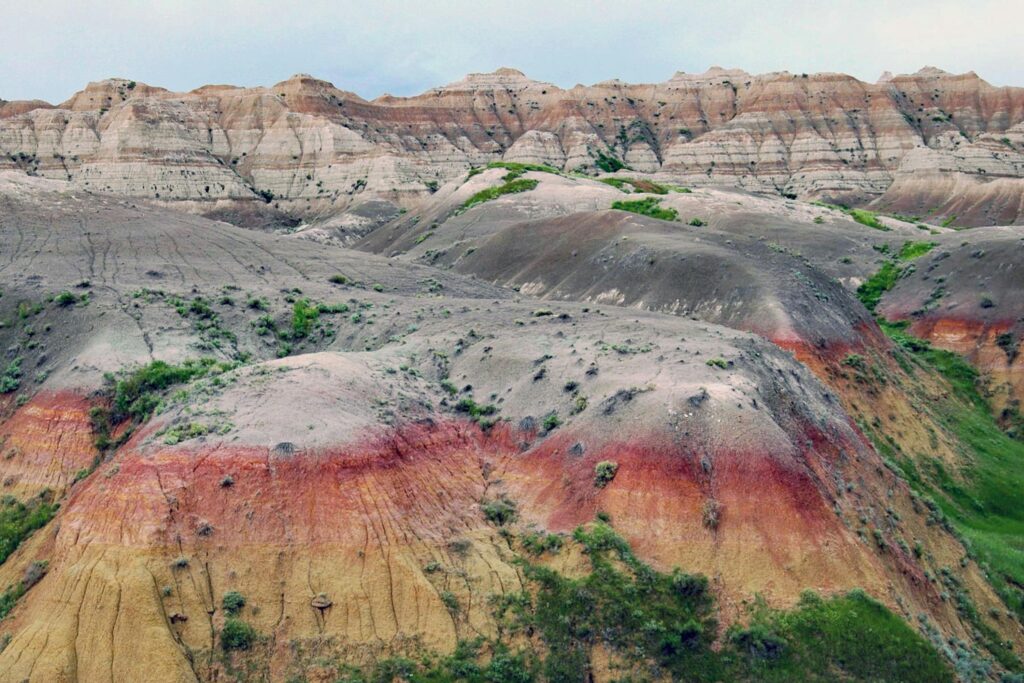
711,513
698,222
499,512
237,635
608,163
551,422
233,602
758,642
604,472
65,298
10,380
304,315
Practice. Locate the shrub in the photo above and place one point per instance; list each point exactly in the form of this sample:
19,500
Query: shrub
711,513
304,314
339,279
10,380
65,298
604,472
758,641
499,511
473,409
237,635
233,602
450,601
855,361
34,573
608,163
551,422
698,222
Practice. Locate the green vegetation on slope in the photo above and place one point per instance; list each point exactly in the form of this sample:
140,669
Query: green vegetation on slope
862,216
872,290
648,206
18,520
868,218
982,502
642,185
514,169
609,163
510,187
661,626
137,393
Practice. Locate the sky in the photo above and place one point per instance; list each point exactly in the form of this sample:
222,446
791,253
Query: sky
49,48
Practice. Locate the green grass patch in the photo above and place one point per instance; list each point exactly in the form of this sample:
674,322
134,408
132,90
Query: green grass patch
648,206
862,216
510,187
913,250
849,637
871,290
868,218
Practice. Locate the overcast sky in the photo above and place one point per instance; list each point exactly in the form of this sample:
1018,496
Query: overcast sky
50,48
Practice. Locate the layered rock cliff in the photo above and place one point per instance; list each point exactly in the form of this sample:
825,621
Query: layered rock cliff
929,144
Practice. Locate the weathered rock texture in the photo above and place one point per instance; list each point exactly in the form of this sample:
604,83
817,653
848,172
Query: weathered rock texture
930,143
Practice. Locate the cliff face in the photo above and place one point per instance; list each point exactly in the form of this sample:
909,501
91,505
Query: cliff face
314,149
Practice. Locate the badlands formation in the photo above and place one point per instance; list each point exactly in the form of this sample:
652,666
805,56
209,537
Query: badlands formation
709,380
931,144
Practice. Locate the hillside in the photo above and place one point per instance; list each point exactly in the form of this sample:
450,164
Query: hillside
705,380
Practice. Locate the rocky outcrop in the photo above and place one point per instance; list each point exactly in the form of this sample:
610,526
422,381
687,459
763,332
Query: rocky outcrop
310,148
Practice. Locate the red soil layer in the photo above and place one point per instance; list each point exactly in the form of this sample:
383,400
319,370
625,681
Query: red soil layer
977,341
422,483
815,356
45,442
